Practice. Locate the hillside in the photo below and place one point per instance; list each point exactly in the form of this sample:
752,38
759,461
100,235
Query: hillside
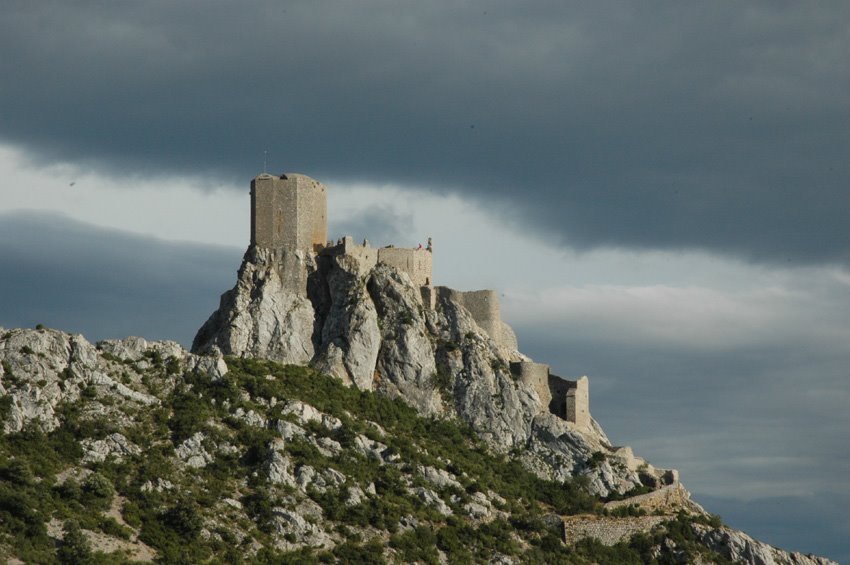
337,406
135,450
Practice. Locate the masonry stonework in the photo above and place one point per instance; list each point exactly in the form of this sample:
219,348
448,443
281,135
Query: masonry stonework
483,306
288,212
578,404
535,375
415,262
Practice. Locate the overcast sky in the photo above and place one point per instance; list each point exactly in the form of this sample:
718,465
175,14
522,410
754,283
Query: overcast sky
658,190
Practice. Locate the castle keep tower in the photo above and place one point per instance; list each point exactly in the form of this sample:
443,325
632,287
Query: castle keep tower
289,212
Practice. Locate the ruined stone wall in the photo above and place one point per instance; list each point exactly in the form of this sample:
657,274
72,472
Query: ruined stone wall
288,212
429,296
312,207
415,262
535,375
609,531
365,255
578,404
483,306
558,388
570,400
667,499
267,204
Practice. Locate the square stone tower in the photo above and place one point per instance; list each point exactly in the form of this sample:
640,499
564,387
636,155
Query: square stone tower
289,212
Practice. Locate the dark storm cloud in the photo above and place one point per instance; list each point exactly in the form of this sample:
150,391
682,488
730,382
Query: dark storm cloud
105,283
700,125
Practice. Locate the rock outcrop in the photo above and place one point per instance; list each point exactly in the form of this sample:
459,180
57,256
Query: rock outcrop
41,369
261,316
739,547
368,325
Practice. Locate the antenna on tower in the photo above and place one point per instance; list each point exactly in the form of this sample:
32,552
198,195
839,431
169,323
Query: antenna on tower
265,161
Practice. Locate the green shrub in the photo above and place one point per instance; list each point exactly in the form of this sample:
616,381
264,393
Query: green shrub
258,505
184,519
8,375
416,545
369,553
596,460
5,408
97,491
70,491
626,510
110,526
75,548
189,415
16,472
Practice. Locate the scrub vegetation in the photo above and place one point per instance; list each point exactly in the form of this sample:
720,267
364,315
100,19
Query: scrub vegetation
56,508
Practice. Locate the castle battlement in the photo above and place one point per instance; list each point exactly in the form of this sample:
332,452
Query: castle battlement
417,263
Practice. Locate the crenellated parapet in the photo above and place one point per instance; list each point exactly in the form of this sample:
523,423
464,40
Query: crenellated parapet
416,263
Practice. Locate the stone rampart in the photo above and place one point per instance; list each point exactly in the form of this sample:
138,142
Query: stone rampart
507,337
535,375
365,255
483,306
415,262
570,400
558,388
288,212
666,500
578,404
609,531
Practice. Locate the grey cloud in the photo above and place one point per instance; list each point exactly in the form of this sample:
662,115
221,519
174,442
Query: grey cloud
380,224
654,125
106,283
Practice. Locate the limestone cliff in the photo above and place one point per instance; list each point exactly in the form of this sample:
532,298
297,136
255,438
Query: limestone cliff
368,325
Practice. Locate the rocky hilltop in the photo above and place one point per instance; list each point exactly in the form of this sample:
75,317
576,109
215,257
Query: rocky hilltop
368,327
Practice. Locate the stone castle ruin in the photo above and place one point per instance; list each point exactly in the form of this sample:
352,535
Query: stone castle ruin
289,227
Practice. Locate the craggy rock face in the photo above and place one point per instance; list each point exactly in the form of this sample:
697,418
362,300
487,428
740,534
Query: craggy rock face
39,369
739,547
260,317
367,326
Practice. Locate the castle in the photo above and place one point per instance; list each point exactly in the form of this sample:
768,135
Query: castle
289,223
